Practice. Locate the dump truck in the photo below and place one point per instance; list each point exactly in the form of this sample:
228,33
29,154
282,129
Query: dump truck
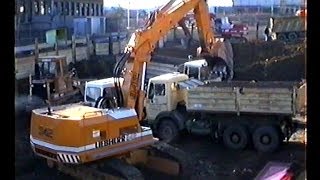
288,29
237,113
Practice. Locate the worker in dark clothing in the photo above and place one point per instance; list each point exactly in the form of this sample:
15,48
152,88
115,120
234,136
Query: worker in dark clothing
257,31
266,34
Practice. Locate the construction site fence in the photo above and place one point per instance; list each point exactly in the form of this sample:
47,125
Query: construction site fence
77,49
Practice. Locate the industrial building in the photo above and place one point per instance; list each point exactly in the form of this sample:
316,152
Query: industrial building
279,6
80,17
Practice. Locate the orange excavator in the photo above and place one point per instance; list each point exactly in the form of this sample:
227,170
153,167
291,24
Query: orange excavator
88,142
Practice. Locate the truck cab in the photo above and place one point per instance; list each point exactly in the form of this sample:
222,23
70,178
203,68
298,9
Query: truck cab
97,88
165,92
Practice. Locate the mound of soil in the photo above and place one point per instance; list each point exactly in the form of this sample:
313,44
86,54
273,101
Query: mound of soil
290,65
248,53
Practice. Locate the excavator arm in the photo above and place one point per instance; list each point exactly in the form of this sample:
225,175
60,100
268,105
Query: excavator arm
142,43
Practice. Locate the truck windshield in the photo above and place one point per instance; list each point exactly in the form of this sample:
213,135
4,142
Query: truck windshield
92,93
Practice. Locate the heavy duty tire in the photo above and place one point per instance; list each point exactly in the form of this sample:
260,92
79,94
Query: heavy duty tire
236,137
292,37
167,130
266,139
282,37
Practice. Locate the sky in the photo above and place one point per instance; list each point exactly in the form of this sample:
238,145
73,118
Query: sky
150,4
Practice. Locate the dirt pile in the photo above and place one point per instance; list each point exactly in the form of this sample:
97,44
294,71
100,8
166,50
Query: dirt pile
248,53
271,62
263,61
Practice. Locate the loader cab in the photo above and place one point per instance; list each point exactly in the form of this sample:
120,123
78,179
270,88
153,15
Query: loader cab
51,79
51,67
99,88
163,93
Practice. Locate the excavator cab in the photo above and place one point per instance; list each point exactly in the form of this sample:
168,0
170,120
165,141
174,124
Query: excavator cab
51,80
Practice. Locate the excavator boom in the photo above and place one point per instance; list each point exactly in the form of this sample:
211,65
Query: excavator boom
142,44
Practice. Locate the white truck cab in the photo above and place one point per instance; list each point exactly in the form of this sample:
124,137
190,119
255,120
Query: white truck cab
199,69
97,88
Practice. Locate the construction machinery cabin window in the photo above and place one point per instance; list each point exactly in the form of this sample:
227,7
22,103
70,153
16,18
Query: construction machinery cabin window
47,69
93,93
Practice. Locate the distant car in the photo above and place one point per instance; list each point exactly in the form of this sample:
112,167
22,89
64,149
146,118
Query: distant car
227,28
237,29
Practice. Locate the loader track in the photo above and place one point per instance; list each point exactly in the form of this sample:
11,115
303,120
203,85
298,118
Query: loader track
119,169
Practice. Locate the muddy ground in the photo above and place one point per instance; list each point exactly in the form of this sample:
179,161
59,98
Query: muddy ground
210,160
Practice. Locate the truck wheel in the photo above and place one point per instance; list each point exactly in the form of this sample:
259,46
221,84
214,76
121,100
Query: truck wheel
167,131
292,37
282,37
236,137
266,139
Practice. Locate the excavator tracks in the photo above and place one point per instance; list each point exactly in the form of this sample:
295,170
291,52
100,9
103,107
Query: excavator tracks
159,157
176,154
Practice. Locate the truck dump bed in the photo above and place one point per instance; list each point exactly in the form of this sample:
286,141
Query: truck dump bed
289,24
286,98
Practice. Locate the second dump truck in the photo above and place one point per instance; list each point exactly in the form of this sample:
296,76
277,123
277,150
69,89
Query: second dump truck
238,113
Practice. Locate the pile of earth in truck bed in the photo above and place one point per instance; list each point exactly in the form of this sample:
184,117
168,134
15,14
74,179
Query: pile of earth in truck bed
256,60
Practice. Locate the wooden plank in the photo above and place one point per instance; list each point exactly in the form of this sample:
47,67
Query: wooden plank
266,103
265,109
266,90
265,95
212,95
212,89
265,99
211,101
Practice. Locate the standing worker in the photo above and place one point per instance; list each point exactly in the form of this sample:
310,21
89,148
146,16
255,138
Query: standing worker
257,31
266,34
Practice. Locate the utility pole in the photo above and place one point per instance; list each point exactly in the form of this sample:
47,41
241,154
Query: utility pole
137,20
128,14
272,4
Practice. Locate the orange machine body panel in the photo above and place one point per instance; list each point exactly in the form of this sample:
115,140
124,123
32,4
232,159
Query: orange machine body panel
77,134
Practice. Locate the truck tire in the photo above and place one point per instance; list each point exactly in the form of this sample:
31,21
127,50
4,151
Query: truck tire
292,37
282,37
266,139
236,137
167,131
